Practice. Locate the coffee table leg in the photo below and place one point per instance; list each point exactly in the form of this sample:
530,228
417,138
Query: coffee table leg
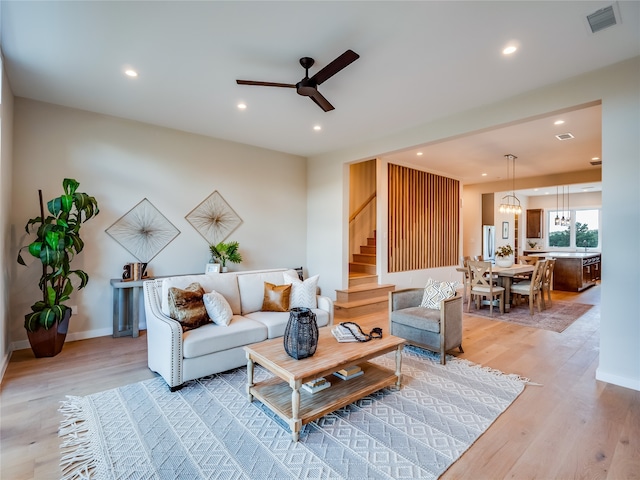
296,422
249,377
399,365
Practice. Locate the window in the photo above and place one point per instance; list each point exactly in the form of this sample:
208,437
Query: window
581,231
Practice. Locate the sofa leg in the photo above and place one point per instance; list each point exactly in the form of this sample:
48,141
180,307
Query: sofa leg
460,347
176,388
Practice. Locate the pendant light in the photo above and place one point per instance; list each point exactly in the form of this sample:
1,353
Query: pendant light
510,203
557,220
563,221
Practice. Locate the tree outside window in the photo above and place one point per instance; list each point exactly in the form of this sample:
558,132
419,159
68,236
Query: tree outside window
582,231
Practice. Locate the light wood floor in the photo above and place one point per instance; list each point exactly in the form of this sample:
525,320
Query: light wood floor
570,427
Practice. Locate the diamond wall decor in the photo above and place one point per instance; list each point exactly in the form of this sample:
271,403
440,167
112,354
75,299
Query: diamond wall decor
214,219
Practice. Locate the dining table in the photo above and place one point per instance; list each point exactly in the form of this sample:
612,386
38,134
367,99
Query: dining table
505,278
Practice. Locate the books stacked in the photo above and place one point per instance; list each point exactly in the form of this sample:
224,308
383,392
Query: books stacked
316,385
349,372
343,334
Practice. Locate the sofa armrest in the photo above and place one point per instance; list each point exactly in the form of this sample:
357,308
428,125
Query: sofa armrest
164,337
326,304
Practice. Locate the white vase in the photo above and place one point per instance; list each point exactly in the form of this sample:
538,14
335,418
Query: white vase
504,262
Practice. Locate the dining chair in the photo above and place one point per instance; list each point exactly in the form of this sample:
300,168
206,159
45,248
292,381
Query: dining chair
546,281
464,261
531,288
527,260
481,285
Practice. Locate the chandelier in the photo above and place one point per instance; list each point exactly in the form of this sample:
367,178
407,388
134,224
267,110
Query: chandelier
510,203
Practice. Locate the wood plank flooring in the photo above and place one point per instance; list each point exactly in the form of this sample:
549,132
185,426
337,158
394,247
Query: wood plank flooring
571,426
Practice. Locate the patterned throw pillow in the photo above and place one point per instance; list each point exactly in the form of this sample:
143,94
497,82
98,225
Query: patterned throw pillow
303,294
186,306
218,308
435,292
276,297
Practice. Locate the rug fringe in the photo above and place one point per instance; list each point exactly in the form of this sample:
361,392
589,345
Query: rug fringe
77,460
494,371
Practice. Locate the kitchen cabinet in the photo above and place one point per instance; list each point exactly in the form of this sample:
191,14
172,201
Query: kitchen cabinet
534,223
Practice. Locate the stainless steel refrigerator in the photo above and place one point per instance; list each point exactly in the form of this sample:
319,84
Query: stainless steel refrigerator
488,243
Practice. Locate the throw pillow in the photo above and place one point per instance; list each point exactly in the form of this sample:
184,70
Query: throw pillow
187,307
303,294
435,292
276,298
218,308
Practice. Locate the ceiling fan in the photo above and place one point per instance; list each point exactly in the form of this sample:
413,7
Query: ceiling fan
308,87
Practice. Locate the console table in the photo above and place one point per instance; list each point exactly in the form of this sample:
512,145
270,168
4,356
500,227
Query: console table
126,306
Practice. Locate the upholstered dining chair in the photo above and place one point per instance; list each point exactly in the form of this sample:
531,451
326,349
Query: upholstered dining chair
547,280
482,286
531,288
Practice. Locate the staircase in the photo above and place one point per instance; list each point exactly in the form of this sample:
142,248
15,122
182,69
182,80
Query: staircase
364,295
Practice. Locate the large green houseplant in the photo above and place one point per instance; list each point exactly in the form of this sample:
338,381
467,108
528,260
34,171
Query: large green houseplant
57,242
225,252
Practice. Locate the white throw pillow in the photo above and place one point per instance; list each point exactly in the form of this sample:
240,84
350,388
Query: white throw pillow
435,292
218,308
303,294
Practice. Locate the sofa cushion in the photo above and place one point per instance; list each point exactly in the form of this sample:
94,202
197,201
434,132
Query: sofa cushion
276,322
187,307
303,293
418,317
224,283
251,287
276,298
218,308
214,338
435,292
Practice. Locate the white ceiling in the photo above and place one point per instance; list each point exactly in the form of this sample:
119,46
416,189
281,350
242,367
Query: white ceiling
419,61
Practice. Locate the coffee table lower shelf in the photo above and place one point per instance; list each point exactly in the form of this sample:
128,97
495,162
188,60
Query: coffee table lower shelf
276,394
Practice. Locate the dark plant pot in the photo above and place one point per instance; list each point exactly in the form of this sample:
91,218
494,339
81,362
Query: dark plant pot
301,334
48,343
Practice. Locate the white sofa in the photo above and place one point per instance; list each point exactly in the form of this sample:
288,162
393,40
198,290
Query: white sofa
181,356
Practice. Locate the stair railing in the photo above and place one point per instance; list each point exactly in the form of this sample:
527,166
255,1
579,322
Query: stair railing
362,207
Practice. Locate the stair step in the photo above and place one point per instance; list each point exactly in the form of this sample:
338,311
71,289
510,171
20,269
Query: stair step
371,242
363,292
362,268
368,249
345,310
359,278
368,258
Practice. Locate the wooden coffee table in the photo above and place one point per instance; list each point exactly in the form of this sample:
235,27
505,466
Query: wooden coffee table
283,393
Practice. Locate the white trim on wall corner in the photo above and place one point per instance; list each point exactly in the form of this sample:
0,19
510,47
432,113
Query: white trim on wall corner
632,383
5,364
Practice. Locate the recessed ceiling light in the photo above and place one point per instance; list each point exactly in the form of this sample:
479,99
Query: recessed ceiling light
595,158
317,128
558,122
130,73
510,49
242,106
484,174
419,154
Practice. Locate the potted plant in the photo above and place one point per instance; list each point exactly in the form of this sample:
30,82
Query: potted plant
504,256
57,242
225,252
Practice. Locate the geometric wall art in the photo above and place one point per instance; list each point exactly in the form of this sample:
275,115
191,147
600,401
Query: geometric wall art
214,219
143,231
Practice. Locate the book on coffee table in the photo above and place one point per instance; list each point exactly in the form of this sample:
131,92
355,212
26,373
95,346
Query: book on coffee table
316,385
349,372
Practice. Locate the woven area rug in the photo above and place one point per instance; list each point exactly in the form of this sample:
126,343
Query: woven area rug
210,430
556,317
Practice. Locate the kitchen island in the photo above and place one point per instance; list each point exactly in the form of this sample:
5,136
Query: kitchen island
574,271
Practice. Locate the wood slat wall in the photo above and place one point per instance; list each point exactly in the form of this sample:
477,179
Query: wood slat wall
424,214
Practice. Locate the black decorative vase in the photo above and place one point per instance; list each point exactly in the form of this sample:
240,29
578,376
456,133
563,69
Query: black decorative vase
301,334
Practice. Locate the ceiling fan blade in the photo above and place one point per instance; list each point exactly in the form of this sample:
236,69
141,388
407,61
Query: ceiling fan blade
265,84
334,67
322,102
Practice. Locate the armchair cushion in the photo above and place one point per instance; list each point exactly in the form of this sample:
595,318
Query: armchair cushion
419,317
435,292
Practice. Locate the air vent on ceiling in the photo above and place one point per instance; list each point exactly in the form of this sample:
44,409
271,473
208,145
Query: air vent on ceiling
595,162
564,136
604,18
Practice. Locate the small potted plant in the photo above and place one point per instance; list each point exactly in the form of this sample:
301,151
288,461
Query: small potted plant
56,243
504,256
225,252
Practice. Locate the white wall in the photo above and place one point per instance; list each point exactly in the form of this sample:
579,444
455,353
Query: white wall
618,87
6,142
121,162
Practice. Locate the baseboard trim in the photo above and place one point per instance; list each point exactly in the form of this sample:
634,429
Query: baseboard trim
71,337
632,383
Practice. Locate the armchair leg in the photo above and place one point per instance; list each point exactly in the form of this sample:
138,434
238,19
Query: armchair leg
176,388
460,348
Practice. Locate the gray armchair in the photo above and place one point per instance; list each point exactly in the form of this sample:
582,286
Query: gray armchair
435,330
